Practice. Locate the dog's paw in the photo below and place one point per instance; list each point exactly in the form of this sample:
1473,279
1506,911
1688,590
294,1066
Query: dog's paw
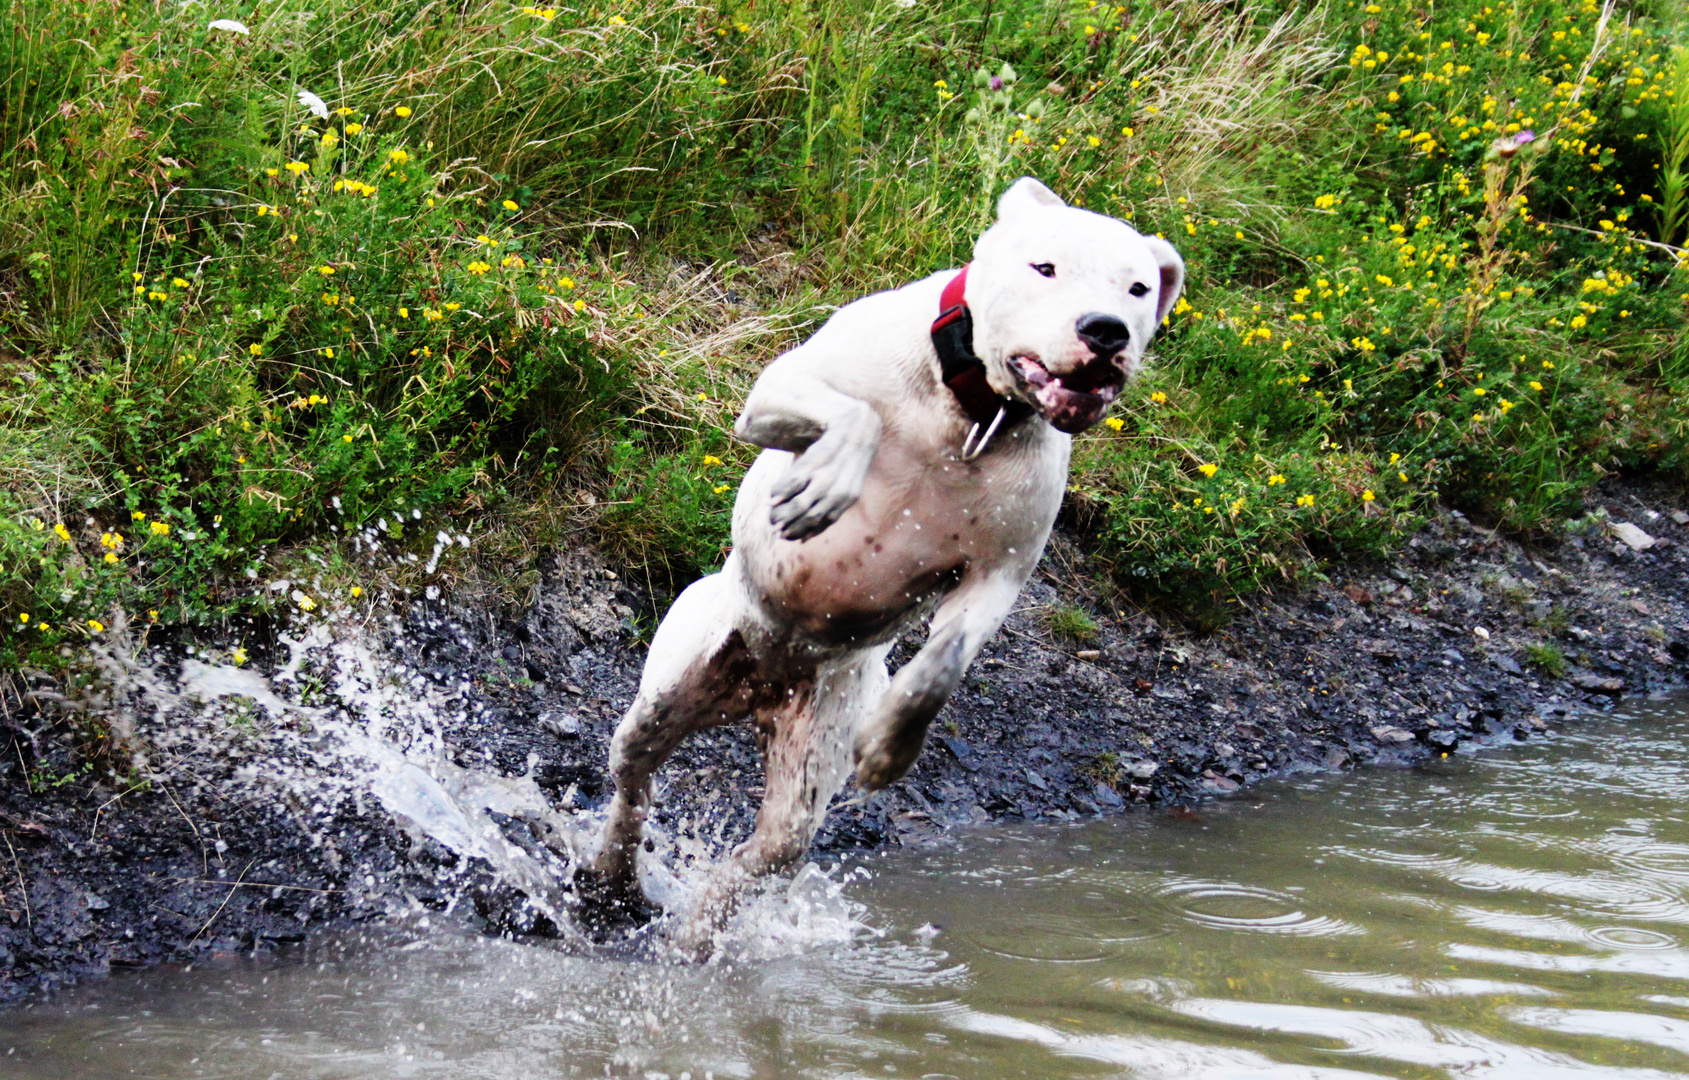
693,941
891,740
883,761
606,908
820,485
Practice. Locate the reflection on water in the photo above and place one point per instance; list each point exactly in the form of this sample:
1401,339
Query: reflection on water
1517,913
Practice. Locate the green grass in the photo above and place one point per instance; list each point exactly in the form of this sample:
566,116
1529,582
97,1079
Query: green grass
526,267
1069,623
1547,656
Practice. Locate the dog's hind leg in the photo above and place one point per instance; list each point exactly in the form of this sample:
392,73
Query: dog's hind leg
806,759
698,673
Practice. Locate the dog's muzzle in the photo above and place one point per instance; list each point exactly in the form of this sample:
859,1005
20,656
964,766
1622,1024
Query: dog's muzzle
1074,400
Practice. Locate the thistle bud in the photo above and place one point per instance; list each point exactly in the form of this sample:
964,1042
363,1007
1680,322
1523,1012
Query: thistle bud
1007,74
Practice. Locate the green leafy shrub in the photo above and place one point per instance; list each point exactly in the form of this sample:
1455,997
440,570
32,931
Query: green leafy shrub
265,287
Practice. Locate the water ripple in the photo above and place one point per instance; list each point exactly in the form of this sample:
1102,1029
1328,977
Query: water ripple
1224,905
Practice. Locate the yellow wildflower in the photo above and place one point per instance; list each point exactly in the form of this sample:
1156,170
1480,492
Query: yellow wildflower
1159,398
510,204
1367,495
1208,470
402,111
96,625
1115,423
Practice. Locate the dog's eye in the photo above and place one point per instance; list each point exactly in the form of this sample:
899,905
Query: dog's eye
1047,269
1138,288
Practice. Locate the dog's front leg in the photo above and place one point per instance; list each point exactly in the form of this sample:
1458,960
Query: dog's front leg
892,737
833,435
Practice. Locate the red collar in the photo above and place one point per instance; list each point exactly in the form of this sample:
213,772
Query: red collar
960,369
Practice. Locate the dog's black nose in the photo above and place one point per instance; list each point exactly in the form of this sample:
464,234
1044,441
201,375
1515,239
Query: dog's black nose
1105,335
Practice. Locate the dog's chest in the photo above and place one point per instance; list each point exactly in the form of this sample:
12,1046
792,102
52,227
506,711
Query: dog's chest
921,523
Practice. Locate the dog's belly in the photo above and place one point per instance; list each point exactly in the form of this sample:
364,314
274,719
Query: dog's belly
908,540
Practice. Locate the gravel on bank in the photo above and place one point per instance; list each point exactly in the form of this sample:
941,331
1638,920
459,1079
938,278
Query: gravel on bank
1466,639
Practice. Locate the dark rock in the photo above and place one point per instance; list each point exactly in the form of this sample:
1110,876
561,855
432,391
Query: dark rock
1442,740
963,753
1596,684
1215,784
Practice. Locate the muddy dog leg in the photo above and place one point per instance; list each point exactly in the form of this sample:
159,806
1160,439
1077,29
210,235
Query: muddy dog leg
892,737
698,674
805,761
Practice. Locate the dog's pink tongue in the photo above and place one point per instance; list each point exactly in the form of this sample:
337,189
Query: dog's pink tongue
1033,371
1073,411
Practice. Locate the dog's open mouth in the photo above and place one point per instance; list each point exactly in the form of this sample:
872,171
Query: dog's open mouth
1074,401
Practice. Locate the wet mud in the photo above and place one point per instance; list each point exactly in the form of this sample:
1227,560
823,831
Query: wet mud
238,829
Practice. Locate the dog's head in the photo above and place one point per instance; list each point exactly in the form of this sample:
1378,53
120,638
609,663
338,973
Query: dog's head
1064,302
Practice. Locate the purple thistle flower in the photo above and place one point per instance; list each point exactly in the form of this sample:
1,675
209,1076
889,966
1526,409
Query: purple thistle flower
1525,136
996,82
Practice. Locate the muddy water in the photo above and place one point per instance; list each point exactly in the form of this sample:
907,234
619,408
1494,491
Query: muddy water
1513,913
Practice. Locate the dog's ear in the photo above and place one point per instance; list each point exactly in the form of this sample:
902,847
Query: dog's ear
1172,275
1025,194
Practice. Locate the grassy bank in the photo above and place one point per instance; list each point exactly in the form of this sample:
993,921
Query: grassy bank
276,273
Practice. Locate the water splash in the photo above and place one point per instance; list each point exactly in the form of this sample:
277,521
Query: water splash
345,724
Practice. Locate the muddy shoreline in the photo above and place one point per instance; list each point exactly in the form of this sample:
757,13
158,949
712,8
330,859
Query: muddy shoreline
238,831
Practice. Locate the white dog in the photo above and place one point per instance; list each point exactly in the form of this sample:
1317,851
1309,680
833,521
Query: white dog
916,450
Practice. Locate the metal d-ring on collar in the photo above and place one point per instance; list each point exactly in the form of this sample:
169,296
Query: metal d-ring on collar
964,373
969,450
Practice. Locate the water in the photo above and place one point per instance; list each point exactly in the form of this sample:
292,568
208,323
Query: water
1515,913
